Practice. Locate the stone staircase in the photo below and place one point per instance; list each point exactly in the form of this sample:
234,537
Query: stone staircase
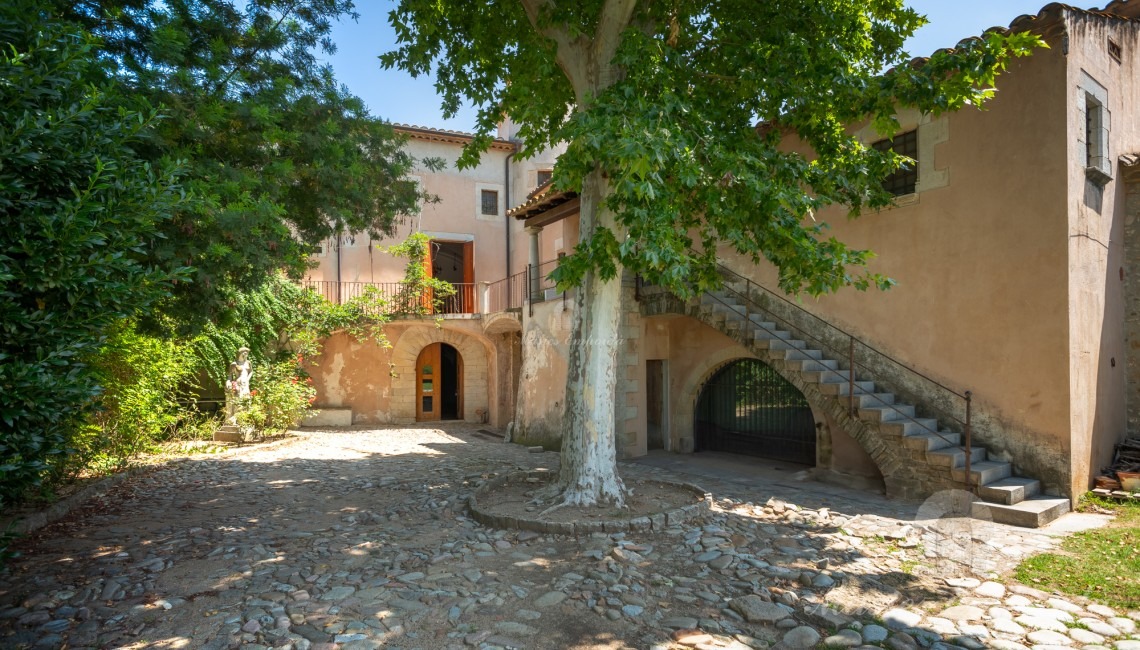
1004,498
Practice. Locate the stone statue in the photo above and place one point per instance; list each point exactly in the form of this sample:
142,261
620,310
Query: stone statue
237,384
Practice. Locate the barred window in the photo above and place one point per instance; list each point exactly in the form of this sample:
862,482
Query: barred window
490,202
905,178
543,177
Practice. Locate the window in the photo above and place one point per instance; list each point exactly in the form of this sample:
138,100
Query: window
905,179
1092,101
1114,50
489,202
543,177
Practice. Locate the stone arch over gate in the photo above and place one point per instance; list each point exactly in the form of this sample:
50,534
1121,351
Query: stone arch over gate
827,409
476,371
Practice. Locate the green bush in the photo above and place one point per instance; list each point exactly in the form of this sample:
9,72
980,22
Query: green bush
281,395
147,382
79,213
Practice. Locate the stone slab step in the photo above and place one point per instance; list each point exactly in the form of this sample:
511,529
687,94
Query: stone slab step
886,412
909,427
864,400
955,456
1010,491
1031,513
843,389
780,344
812,364
802,354
759,335
228,433
928,440
829,376
984,472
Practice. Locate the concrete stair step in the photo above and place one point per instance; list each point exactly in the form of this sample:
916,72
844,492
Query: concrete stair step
844,389
780,344
955,456
910,427
828,376
886,412
1031,513
1010,491
759,334
984,472
931,441
798,354
812,364
874,399
758,321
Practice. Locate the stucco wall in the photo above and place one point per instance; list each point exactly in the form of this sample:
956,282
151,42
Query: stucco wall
980,266
1096,243
542,377
378,383
455,217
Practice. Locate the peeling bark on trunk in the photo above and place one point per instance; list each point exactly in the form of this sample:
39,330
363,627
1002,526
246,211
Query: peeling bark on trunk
589,461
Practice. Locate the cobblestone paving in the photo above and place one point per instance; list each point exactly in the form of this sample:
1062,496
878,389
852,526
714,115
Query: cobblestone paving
358,539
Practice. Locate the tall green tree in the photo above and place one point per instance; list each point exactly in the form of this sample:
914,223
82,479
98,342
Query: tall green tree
658,103
278,155
79,211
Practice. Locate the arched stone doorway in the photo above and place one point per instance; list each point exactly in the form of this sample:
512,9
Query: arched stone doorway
439,383
747,408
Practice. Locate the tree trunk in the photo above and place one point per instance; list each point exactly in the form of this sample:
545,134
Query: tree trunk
589,461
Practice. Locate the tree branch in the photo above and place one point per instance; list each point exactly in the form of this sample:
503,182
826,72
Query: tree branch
570,54
616,16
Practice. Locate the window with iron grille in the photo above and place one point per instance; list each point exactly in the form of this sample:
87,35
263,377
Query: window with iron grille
905,178
543,177
490,202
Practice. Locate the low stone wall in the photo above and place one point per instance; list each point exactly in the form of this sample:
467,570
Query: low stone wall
656,521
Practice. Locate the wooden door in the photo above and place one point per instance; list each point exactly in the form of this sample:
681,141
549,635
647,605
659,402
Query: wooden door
429,377
426,300
468,306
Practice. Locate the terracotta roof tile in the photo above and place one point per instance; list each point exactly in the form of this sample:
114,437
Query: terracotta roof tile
447,135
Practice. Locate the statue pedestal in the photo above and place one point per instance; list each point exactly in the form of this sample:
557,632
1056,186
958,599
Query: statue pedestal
228,433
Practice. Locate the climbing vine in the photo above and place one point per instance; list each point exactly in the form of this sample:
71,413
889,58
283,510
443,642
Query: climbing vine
420,293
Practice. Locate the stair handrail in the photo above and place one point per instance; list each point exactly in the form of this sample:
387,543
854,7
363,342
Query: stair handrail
795,330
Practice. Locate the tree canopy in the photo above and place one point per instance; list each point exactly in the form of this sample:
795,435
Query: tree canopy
79,207
278,156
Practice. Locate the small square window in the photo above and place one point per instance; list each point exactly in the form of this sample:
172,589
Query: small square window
543,177
1114,50
905,179
489,202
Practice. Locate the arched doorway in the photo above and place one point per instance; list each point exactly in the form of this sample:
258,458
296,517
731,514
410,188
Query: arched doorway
439,383
747,408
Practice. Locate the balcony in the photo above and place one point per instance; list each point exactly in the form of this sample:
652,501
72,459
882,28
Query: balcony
508,294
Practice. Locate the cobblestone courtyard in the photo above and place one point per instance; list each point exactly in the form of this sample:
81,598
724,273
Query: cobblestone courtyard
358,538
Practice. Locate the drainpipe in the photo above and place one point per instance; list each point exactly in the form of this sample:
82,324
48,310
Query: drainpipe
507,206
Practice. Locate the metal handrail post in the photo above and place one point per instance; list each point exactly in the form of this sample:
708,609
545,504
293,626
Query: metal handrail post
969,455
851,376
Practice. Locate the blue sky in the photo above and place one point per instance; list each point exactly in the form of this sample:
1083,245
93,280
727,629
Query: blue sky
395,96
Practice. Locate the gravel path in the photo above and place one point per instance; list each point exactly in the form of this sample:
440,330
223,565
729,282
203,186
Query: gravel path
357,538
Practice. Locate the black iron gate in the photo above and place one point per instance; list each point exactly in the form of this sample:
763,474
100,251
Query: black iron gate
746,408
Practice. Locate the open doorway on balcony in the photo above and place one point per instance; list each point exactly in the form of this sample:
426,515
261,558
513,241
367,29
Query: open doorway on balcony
454,262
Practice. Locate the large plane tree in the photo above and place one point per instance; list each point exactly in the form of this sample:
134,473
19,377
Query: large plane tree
673,115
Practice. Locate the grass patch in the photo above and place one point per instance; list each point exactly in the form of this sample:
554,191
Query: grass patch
1101,564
